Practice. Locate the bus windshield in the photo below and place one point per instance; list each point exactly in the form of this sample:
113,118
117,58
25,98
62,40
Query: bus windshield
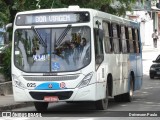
52,49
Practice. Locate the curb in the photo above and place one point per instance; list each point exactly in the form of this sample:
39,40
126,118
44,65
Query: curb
151,50
14,106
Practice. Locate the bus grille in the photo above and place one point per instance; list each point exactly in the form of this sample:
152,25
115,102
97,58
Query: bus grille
41,78
60,95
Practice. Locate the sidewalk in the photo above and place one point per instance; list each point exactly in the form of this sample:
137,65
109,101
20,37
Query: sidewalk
149,48
7,101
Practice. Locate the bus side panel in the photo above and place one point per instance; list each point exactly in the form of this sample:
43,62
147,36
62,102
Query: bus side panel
114,68
125,71
138,79
133,67
136,68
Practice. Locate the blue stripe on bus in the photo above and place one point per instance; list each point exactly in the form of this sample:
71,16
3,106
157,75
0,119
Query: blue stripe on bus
136,66
49,86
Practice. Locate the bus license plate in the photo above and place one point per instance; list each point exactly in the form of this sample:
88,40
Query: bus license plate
51,99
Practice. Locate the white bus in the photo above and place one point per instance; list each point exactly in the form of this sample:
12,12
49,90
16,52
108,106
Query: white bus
75,54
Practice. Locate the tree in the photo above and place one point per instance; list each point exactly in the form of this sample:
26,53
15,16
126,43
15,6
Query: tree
102,5
119,7
9,8
4,13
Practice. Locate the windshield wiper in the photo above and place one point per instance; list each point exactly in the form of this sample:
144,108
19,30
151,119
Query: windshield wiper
39,37
62,36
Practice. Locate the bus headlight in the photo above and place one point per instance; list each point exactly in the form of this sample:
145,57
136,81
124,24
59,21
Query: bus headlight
85,80
17,82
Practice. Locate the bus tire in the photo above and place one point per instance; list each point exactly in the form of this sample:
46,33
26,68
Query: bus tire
41,106
129,96
118,98
102,104
74,102
69,102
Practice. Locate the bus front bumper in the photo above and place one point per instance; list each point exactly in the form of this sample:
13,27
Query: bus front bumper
87,93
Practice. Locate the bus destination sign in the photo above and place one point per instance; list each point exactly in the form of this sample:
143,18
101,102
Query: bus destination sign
51,18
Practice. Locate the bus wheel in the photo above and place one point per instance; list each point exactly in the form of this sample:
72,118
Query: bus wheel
41,106
129,96
118,98
102,104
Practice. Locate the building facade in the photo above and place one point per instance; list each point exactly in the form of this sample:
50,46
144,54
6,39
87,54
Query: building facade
148,15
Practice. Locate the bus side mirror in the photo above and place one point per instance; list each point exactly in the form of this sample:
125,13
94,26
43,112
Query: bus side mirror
6,35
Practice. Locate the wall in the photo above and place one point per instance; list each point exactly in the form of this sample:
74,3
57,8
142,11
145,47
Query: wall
146,25
142,33
148,32
6,88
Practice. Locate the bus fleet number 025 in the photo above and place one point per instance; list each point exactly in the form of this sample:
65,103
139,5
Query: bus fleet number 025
31,84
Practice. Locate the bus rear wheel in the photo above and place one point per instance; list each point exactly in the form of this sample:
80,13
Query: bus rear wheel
119,98
102,104
41,106
126,97
129,96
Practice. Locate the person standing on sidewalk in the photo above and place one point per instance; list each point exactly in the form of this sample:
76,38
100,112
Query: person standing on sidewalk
155,37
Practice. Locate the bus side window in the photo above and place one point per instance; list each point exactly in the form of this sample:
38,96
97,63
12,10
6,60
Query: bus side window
137,42
130,40
127,39
98,43
115,38
107,41
119,38
134,40
123,39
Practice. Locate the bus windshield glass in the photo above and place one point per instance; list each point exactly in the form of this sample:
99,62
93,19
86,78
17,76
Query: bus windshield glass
52,49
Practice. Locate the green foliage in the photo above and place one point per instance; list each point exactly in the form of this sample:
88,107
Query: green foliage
102,5
9,8
6,69
4,13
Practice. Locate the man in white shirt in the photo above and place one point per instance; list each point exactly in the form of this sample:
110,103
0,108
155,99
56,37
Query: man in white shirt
155,37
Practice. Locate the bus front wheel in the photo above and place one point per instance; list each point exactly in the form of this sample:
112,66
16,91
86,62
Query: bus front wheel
41,106
102,104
